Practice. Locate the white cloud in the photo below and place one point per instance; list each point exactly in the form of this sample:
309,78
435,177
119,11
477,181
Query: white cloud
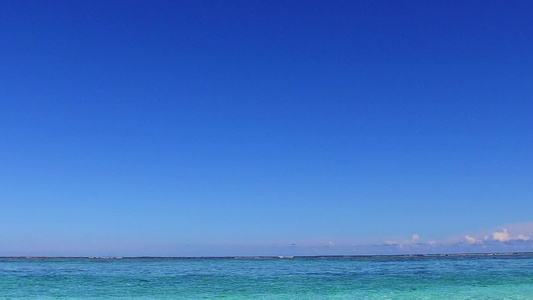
504,236
413,242
522,237
501,236
471,240
415,238
507,238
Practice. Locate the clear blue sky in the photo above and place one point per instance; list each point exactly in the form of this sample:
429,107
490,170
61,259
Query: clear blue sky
206,127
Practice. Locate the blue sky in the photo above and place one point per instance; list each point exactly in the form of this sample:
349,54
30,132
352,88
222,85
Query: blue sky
265,127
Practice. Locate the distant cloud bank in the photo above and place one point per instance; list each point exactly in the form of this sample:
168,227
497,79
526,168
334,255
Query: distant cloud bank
504,239
503,235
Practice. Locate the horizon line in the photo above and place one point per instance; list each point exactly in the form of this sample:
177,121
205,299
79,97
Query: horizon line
259,257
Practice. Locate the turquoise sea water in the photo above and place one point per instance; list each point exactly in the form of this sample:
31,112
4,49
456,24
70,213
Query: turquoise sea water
485,277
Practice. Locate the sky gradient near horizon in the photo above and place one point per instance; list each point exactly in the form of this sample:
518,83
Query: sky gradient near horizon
219,127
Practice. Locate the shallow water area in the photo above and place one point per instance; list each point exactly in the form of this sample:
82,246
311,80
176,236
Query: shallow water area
436,277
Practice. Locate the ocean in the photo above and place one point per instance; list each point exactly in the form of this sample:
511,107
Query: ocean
399,277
